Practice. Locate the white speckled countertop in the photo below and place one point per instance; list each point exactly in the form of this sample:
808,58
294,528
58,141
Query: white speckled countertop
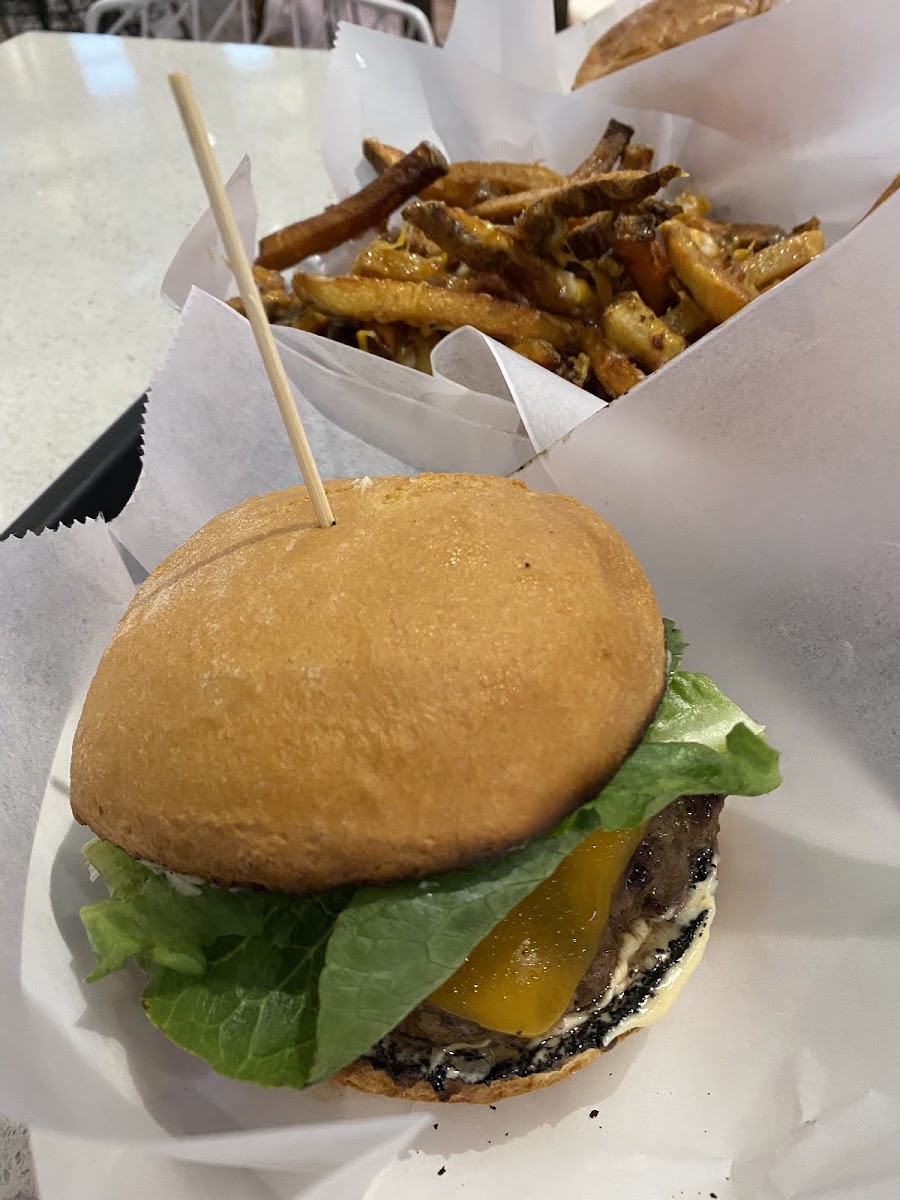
97,189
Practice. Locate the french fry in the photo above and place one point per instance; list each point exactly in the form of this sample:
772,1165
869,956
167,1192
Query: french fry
275,303
591,239
487,247
616,373
637,157
630,326
687,318
379,155
540,352
607,152
540,223
713,285
595,276
305,319
576,368
459,235
354,215
267,281
459,187
783,258
425,307
638,245
381,261
693,205
415,242
659,210
467,280
504,209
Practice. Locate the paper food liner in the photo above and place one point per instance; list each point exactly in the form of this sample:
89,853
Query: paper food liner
816,138
758,485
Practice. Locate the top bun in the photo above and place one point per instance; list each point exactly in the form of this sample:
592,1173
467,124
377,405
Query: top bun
443,674
661,25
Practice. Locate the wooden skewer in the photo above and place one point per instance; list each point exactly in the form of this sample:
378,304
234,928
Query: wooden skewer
240,265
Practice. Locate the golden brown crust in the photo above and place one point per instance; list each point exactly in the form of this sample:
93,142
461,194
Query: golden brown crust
362,1076
440,676
661,25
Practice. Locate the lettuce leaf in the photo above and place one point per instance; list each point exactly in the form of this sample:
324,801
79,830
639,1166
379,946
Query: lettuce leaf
391,947
253,1015
675,644
286,990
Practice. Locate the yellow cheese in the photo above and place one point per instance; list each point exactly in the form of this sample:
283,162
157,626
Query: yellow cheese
520,979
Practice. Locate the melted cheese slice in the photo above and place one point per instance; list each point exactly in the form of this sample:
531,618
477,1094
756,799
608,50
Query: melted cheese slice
521,978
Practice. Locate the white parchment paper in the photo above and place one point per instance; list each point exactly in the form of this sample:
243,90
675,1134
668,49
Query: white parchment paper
756,477
821,135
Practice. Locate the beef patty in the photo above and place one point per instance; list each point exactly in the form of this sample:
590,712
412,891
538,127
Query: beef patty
677,850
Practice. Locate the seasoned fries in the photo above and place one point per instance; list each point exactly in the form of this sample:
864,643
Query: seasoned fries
468,183
485,247
783,258
350,217
630,326
426,307
637,157
716,288
615,371
637,243
607,152
543,224
598,276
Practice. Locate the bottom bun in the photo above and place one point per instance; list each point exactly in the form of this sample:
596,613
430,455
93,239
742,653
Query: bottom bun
655,961
366,1078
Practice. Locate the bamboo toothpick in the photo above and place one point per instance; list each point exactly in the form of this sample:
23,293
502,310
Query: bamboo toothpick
240,265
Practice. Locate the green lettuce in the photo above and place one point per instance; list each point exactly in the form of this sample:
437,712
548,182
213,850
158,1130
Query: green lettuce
285,990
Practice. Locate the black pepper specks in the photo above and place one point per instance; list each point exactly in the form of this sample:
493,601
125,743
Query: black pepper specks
442,1171
594,1113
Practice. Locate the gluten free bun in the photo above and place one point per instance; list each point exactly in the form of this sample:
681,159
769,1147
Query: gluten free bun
661,25
445,673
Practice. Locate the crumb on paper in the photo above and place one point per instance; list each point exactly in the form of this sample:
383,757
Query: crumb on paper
442,1171
595,1112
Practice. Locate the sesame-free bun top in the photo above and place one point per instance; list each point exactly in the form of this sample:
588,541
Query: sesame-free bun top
443,674
661,25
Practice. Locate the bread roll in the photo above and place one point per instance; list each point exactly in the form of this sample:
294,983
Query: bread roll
444,674
659,26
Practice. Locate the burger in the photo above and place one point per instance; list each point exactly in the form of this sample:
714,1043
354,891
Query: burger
661,25
422,802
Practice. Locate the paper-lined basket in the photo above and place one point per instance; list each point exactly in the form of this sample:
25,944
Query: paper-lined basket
756,478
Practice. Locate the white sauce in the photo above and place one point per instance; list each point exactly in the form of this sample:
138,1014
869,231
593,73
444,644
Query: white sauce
186,885
640,952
